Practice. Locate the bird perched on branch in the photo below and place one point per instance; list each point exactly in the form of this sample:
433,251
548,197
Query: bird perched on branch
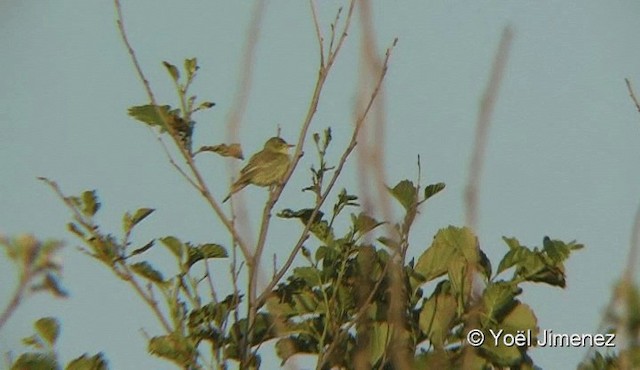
265,168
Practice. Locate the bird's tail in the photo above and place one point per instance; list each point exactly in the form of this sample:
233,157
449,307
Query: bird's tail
236,187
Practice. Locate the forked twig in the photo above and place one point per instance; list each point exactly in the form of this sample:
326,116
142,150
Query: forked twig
316,24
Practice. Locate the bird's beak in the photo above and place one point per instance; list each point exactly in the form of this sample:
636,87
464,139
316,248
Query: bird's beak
290,145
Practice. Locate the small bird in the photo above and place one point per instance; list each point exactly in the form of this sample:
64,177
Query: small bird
265,168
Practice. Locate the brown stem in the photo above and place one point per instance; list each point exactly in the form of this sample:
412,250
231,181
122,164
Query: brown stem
15,299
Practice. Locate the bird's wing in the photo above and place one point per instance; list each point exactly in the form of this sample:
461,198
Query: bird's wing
254,164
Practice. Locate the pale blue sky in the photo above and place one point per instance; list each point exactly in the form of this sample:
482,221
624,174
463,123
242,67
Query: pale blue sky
562,158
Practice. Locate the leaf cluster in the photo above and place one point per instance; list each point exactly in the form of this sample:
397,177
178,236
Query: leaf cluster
339,306
43,355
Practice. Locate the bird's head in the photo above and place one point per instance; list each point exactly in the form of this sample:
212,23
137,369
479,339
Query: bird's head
277,145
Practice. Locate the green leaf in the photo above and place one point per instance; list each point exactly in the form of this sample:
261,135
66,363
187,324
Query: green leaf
36,361
174,244
303,214
485,264
263,330
232,150
143,249
129,221
557,250
206,105
141,214
501,355
521,318
173,71
90,203
497,300
310,275
322,231
285,348
433,189
75,230
33,341
346,198
516,255
214,312
513,243
389,243
307,302
364,223
147,271
380,337
406,193
319,227
457,271
327,137
84,362
204,251
48,328
149,114
325,253
437,315
449,245
173,347
543,266
191,66
51,283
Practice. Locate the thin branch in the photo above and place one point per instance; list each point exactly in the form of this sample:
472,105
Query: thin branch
132,53
150,301
174,164
632,95
487,104
199,182
316,24
352,144
127,275
15,300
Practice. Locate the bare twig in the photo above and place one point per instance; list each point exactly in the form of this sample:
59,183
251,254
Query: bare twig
316,24
631,94
489,98
174,164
